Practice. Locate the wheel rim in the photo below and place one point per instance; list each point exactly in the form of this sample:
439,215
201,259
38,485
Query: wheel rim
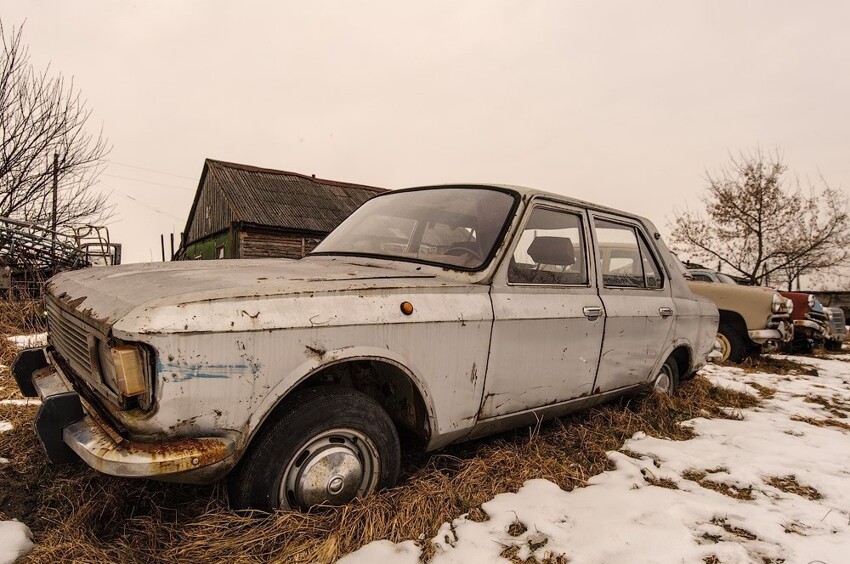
333,468
664,380
722,346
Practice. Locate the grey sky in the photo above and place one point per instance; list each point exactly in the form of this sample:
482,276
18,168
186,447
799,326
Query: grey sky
621,103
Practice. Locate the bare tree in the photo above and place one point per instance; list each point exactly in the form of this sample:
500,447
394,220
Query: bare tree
763,229
41,115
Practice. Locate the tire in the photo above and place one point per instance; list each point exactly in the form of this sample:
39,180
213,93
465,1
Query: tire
667,380
832,346
733,345
325,444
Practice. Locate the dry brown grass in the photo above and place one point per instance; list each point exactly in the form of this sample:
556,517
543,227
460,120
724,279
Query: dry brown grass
826,422
789,484
765,392
774,365
731,490
77,514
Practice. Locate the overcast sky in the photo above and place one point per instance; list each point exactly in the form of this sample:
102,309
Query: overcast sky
621,103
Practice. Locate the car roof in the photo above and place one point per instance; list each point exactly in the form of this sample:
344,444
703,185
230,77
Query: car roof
527,193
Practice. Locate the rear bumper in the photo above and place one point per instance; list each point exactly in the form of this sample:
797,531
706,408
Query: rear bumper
68,428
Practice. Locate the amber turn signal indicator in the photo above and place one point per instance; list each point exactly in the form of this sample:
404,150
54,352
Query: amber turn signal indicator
129,374
406,308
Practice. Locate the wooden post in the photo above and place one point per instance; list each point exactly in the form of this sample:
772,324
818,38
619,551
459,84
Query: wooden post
172,245
162,244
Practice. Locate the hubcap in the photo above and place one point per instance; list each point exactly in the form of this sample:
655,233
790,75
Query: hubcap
331,468
664,380
722,348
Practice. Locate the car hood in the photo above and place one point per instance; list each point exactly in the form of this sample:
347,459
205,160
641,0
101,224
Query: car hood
104,295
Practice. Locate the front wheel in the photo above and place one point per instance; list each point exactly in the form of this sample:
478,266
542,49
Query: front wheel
325,446
730,344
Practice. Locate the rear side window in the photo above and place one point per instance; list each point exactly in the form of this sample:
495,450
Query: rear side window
626,260
550,250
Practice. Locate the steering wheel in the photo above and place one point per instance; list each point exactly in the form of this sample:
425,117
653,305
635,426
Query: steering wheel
461,249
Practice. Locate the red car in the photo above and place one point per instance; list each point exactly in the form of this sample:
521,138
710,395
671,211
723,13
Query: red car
811,323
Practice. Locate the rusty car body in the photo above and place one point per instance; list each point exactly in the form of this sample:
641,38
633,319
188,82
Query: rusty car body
433,314
811,324
753,319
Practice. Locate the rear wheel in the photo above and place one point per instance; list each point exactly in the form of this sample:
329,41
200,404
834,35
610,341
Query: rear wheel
325,445
730,344
667,379
832,345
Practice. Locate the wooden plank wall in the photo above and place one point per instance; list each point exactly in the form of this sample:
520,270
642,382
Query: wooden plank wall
258,244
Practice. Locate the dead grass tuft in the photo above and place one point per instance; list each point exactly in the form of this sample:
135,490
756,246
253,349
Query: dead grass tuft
765,392
517,528
737,531
826,422
77,514
789,484
731,490
766,364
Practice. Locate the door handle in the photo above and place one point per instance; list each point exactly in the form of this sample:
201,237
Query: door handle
665,311
592,312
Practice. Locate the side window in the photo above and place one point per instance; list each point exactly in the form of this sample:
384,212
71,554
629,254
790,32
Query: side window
550,250
626,260
651,270
702,278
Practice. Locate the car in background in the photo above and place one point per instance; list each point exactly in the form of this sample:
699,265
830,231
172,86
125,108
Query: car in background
837,328
811,325
753,319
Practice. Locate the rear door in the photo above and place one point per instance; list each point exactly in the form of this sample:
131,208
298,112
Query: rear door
548,317
638,304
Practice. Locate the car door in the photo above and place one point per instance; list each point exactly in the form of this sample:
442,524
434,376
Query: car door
548,317
638,304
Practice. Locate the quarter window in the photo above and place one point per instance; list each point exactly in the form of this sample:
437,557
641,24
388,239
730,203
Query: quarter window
550,250
626,260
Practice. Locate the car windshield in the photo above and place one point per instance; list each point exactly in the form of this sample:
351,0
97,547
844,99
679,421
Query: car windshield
455,227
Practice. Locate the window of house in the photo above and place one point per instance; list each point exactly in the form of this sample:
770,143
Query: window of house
550,250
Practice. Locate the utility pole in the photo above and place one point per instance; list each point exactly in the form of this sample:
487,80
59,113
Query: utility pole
172,246
55,205
162,244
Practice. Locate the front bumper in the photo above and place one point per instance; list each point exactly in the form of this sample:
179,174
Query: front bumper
781,331
68,428
809,329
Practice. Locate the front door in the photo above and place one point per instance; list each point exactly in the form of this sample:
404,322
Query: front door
548,318
637,300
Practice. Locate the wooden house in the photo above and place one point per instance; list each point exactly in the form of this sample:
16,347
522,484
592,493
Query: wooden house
243,211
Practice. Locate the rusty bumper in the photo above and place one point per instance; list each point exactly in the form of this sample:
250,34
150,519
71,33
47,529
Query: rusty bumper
65,424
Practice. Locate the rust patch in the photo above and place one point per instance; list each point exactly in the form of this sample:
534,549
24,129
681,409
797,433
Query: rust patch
206,451
317,351
473,376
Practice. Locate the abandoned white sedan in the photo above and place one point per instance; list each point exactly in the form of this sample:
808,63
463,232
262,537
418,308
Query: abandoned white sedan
431,315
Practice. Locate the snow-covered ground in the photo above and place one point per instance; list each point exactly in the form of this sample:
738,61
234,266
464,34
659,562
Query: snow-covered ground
773,486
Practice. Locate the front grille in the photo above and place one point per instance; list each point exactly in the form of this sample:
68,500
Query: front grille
70,339
838,321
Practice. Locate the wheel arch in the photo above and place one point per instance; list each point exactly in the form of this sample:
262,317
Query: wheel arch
387,380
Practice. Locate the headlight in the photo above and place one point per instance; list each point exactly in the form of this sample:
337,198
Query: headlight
811,301
122,367
129,372
789,305
779,304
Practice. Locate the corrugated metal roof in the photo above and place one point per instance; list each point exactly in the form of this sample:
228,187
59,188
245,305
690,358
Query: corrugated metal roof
285,199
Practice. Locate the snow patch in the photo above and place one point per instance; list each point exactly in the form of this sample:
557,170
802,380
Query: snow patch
15,541
771,485
29,341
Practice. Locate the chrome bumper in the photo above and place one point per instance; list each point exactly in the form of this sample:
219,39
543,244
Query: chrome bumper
102,448
809,324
